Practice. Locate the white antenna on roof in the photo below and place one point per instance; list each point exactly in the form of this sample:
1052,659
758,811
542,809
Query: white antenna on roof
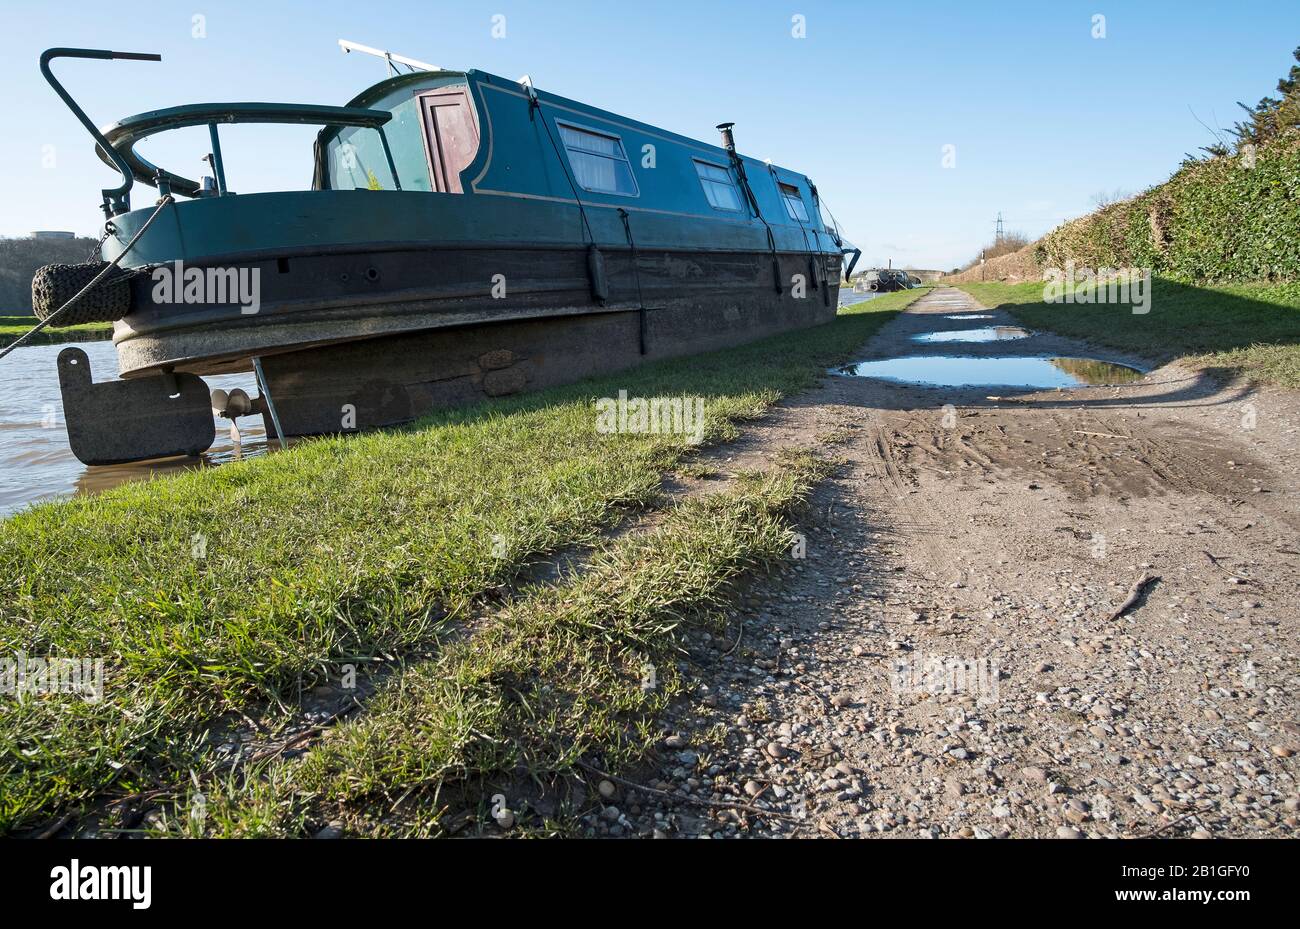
389,57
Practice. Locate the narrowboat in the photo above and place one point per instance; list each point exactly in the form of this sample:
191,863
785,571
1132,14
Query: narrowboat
885,280
464,236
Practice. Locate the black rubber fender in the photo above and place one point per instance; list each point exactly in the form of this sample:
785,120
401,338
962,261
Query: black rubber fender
54,285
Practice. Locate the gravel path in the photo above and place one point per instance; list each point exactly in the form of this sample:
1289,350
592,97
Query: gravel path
944,660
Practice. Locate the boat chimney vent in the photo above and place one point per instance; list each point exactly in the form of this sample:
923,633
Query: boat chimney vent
728,139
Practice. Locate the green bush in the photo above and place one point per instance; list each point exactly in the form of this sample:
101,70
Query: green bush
1219,220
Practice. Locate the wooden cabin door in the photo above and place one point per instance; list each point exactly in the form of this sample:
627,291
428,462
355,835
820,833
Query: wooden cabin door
450,136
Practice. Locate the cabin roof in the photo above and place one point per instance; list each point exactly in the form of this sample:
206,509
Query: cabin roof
377,91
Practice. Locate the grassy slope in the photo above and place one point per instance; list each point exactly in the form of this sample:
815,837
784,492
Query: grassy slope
340,550
11,327
1249,329
556,676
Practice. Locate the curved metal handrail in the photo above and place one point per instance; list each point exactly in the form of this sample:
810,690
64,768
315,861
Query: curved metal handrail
116,199
125,133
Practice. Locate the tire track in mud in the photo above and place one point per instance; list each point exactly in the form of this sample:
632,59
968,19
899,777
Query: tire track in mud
906,494
1087,462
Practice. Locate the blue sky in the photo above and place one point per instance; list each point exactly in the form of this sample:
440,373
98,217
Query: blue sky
1042,115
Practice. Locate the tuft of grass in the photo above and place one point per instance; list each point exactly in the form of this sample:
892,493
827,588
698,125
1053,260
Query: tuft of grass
219,591
558,675
1236,329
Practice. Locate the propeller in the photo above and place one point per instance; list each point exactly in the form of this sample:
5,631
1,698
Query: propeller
229,405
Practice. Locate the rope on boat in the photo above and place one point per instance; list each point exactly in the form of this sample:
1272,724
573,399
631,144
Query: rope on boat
834,232
93,283
595,261
813,269
738,164
636,273
535,104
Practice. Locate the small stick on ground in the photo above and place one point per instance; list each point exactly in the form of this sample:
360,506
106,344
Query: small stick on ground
1102,435
295,740
1168,825
1215,561
53,828
822,697
701,801
286,745
1134,594
740,634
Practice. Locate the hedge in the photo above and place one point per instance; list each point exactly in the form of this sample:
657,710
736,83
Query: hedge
1220,220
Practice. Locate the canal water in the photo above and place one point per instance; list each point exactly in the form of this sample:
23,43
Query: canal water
35,461
848,297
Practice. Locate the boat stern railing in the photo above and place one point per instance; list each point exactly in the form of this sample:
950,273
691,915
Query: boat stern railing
115,145
116,199
122,136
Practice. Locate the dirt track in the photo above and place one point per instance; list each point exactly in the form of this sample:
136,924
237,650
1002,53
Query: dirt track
1006,532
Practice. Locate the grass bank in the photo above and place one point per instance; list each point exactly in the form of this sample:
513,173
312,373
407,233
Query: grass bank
1237,329
11,327
557,676
212,592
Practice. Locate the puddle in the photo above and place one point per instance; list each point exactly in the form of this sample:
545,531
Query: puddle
969,316
985,334
1013,371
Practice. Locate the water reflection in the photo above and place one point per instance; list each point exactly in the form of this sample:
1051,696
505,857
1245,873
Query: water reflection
1007,371
985,334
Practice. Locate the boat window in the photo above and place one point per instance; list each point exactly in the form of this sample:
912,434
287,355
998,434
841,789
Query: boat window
794,203
357,161
718,186
598,161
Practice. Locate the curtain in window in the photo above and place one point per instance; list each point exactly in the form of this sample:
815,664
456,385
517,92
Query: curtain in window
598,161
590,142
594,172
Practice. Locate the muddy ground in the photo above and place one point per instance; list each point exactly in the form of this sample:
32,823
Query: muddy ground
944,659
